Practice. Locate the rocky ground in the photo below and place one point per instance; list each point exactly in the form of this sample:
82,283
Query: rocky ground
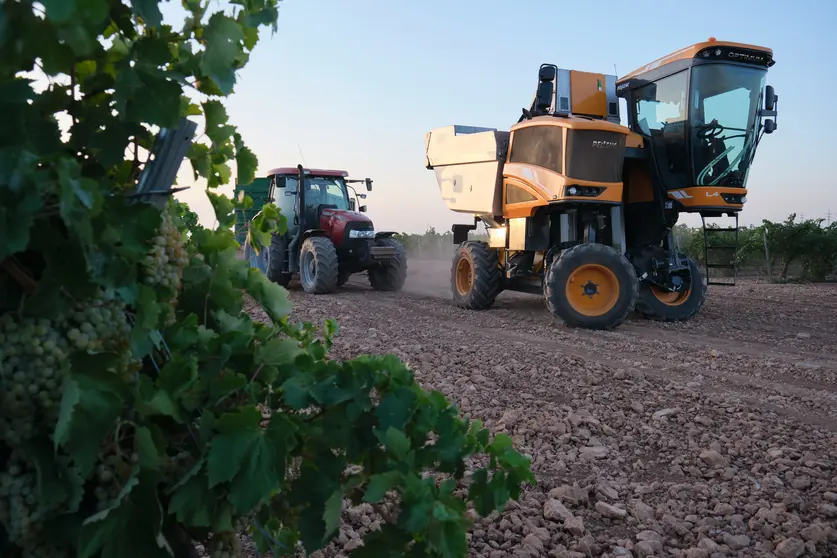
713,438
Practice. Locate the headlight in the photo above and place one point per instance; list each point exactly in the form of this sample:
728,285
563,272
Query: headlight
743,199
361,234
572,190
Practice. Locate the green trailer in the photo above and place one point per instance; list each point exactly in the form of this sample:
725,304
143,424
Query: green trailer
259,191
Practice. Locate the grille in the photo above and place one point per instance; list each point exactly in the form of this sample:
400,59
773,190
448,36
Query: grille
595,155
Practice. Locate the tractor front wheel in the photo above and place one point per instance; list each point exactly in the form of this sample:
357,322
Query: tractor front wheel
591,286
475,276
391,274
657,304
318,265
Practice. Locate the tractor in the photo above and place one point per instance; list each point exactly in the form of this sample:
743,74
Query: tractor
581,209
328,237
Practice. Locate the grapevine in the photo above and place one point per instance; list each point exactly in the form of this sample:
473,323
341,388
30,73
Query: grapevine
142,410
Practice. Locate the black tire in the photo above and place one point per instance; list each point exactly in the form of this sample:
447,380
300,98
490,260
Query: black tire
318,268
343,278
594,261
485,279
680,309
276,260
389,275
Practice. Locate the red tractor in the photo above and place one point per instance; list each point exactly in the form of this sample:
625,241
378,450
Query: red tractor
328,237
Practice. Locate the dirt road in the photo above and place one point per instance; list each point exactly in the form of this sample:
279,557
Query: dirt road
717,437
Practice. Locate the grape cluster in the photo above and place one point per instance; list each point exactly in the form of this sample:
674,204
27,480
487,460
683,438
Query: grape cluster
33,354
112,472
224,545
164,264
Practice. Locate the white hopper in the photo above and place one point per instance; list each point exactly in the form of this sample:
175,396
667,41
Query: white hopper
468,162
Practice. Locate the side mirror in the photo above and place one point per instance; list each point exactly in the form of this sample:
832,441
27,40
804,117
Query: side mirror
362,209
769,98
362,196
368,184
769,126
546,73
279,182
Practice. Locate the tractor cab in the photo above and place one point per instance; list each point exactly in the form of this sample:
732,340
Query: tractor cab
701,113
697,117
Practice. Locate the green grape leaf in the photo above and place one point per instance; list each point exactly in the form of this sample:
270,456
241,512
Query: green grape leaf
223,38
380,484
90,404
397,442
59,11
252,461
146,448
193,502
201,162
216,127
277,351
245,161
223,207
272,297
149,11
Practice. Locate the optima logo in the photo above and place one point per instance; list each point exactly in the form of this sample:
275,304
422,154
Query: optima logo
604,144
745,57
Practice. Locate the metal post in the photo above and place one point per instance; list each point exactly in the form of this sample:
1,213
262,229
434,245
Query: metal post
767,256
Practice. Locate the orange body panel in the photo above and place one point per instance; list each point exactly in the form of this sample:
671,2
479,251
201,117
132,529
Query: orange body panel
573,123
688,52
588,93
548,187
707,196
634,140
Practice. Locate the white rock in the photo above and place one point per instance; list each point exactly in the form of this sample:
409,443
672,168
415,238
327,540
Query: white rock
665,413
598,452
610,511
554,510
713,458
790,548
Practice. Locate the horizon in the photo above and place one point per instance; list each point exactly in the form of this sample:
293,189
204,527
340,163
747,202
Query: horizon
357,86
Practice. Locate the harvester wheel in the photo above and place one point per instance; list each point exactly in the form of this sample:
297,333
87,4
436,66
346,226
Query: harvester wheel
475,276
591,286
276,259
318,265
389,275
657,304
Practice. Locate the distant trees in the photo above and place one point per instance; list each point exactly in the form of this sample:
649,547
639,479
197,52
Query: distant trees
803,249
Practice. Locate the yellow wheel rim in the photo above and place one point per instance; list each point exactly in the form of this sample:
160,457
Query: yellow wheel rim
464,277
592,290
670,298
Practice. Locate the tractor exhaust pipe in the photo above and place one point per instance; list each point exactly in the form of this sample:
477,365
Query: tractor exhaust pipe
293,252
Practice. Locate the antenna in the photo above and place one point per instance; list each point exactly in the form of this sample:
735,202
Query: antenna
614,71
304,162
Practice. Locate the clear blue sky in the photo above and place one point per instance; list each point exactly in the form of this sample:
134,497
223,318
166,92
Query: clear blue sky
356,85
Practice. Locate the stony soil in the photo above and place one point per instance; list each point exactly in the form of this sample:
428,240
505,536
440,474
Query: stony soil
713,438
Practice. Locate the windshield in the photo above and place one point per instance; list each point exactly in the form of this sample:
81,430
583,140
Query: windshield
724,102
326,190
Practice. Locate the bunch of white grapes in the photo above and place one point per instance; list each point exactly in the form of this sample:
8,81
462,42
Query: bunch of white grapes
34,356
112,472
224,545
164,264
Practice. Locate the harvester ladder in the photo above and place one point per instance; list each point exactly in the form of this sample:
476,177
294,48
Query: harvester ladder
713,251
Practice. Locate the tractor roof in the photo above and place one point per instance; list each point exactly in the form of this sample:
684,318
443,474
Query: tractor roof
692,52
312,172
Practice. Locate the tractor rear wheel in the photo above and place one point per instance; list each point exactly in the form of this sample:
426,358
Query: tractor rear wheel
475,276
318,265
389,275
275,260
591,286
655,303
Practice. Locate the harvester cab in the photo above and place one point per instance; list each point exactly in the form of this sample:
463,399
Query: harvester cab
327,239
697,118
580,208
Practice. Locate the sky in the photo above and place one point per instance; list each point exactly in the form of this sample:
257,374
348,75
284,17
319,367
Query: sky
357,85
